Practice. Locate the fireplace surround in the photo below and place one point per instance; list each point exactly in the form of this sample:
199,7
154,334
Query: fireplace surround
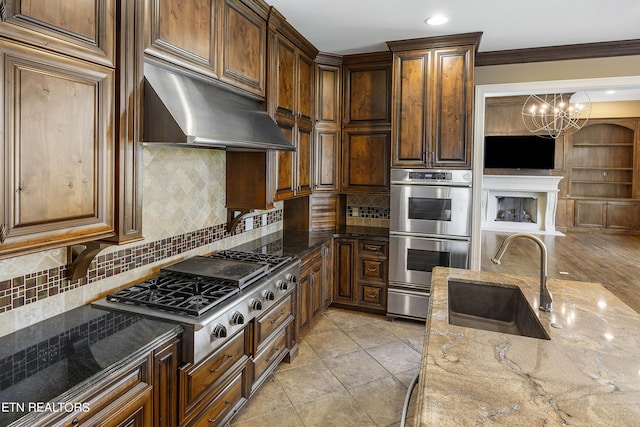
520,203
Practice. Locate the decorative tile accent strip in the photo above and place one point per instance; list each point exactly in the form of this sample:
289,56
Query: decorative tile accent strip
29,361
36,286
368,212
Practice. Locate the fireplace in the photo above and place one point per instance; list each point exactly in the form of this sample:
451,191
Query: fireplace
520,203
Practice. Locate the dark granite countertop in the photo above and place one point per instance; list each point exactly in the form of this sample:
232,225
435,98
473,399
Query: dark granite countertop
300,243
55,360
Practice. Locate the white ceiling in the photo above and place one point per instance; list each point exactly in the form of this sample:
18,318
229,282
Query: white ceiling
355,26
346,27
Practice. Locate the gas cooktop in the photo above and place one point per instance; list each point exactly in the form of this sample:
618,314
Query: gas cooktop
196,285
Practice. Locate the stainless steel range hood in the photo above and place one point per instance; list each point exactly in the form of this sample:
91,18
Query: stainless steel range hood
183,110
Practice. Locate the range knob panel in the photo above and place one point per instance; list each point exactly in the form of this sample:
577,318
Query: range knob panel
281,285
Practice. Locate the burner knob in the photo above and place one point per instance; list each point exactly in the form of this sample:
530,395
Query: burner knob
237,318
282,285
219,331
254,304
291,278
268,295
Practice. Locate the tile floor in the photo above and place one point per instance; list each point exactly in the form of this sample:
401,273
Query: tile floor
352,370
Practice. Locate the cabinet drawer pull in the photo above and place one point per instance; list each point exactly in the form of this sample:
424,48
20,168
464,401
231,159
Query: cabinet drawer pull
277,319
372,295
213,420
372,269
372,248
273,355
227,359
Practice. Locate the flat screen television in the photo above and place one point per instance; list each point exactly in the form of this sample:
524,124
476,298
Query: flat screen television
519,152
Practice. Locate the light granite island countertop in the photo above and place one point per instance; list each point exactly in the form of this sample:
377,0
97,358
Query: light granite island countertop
587,374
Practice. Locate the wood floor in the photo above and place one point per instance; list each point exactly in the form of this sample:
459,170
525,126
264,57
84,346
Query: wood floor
610,259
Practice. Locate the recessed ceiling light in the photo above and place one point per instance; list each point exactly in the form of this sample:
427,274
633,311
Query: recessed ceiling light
610,92
436,20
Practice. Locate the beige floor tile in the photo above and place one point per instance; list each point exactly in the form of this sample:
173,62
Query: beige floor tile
348,319
382,400
370,334
271,398
331,344
323,324
356,368
308,382
282,418
305,356
334,410
396,357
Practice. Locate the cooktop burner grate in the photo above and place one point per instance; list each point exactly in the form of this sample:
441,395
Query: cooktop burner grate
176,292
273,261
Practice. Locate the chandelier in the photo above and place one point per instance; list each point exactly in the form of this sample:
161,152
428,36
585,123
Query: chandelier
551,115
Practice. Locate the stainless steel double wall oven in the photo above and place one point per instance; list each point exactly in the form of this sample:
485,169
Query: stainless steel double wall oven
430,225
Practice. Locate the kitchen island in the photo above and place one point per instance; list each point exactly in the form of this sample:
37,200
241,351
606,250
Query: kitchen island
587,374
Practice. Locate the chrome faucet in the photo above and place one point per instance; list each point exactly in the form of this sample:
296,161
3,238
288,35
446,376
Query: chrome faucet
545,295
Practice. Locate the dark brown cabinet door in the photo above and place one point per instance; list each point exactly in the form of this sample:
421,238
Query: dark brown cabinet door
452,108
305,82
304,159
58,150
285,163
344,284
367,91
285,76
183,32
80,28
411,135
244,46
327,273
365,161
327,128
432,101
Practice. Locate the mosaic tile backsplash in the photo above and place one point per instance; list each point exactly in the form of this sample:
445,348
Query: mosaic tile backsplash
368,210
183,215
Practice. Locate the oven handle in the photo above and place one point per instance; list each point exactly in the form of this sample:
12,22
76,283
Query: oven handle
429,236
426,291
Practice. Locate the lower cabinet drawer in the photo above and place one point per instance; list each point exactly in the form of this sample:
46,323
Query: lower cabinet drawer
223,405
372,295
201,380
272,352
272,320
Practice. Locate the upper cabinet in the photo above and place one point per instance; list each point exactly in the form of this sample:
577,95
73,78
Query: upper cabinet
57,155
327,124
226,39
366,131
81,28
291,103
433,101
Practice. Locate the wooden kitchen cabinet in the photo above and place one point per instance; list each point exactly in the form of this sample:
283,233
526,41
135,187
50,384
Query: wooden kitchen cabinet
366,132
607,214
141,392
365,161
291,102
327,274
344,253
58,150
433,101
226,39
360,274
183,32
310,290
372,274
327,131
83,29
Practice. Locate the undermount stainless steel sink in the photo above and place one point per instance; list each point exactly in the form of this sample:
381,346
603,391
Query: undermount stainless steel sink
493,308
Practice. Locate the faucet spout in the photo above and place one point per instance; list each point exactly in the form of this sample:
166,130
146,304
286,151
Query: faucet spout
545,295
